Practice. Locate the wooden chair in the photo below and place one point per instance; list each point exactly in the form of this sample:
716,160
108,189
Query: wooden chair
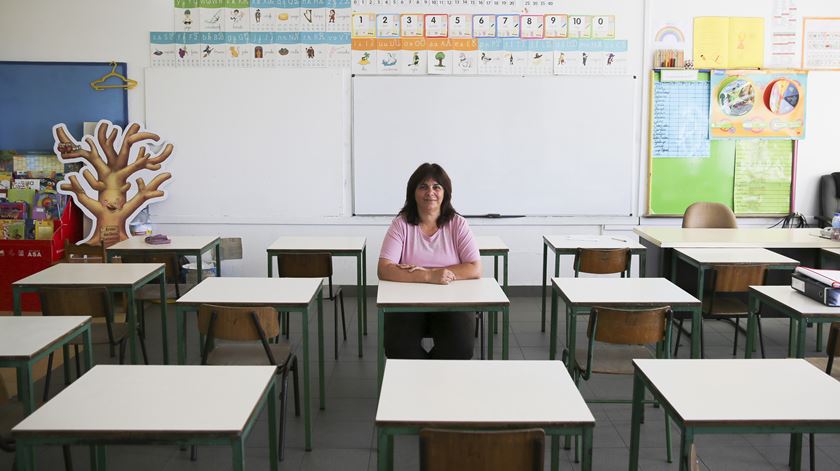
727,300
616,337
709,215
826,364
84,253
602,261
94,302
248,329
314,265
498,450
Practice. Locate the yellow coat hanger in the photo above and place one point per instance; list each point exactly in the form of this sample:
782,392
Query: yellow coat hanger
99,84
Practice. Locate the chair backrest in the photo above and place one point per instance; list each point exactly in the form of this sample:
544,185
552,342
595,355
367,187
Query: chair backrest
237,323
84,253
457,450
304,265
709,215
93,302
629,327
829,201
602,261
737,278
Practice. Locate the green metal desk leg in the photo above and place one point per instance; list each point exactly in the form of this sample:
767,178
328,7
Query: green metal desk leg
16,300
26,391
360,315
163,323
752,324
65,352
218,255
796,451
180,332
542,286
819,337
238,446
685,448
25,456
571,344
380,350
496,277
199,268
586,458
273,445
636,420
87,338
490,320
792,327
696,332
555,453
552,346
643,264
800,338
364,287
384,443
323,399
270,266
307,403
505,333
132,324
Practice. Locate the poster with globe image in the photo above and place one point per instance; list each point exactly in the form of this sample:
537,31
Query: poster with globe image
762,104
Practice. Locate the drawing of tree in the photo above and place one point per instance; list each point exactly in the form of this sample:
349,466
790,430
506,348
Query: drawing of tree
439,57
109,197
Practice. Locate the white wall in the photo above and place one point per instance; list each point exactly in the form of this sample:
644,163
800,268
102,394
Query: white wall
89,30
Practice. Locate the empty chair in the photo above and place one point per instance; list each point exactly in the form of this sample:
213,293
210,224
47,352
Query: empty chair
709,215
502,450
315,265
829,196
602,261
247,330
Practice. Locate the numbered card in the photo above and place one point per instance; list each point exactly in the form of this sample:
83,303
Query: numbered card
388,25
507,26
532,26
413,56
603,27
484,26
411,25
436,26
439,56
364,25
363,55
580,26
460,26
556,26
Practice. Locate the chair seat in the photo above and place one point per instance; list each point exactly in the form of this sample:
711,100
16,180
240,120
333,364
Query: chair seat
151,292
612,359
99,334
725,307
247,354
822,363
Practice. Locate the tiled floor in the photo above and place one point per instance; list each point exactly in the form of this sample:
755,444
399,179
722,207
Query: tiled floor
344,438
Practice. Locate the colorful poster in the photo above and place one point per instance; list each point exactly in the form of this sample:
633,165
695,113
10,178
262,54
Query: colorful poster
762,104
763,176
728,42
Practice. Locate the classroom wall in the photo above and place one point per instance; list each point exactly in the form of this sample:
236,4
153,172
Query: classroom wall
88,30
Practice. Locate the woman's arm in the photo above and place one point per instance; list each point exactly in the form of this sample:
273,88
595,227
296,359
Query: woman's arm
467,270
390,271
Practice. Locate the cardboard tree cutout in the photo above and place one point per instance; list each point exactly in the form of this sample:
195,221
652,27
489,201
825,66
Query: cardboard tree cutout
106,193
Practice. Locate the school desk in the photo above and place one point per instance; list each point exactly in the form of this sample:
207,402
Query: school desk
180,245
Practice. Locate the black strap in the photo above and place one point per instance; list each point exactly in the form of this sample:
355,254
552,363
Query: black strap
836,176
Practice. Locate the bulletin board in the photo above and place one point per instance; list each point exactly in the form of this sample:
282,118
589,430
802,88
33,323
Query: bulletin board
684,166
34,96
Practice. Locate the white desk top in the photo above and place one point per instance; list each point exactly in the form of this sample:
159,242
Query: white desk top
153,402
430,392
736,256
765,391
317,244
622,291
672,237
796,300
178,243
22,338
587,241
290,292
90,274
480,292
494,243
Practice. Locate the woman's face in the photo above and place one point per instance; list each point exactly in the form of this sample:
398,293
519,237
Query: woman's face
429,195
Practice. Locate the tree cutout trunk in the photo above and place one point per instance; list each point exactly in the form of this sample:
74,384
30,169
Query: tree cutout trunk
108,170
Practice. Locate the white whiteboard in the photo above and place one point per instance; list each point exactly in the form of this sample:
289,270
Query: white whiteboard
251,144
558,146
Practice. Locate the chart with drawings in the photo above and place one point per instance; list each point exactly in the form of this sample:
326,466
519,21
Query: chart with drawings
680,119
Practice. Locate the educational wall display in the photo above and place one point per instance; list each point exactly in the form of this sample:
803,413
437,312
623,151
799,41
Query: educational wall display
122,174
728,42
821,43
757,104
680,123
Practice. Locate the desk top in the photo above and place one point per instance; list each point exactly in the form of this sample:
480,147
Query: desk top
587,241
179,243
317,244
745,392
737,256
833,251
142,402
795,300
604,291
493,243
480,393
279,292
91,274
22,338
480,292
672,237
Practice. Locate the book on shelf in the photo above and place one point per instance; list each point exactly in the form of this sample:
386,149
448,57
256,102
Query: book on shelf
826,277
815,290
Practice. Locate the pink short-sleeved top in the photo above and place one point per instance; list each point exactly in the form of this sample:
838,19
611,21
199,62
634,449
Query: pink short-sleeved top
450,245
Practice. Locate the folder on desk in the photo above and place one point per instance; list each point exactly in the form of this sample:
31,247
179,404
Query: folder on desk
815,290
826,277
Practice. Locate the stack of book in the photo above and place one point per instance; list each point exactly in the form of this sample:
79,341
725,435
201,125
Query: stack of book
822,285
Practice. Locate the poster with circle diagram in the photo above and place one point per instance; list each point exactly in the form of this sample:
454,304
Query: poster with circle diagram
764,104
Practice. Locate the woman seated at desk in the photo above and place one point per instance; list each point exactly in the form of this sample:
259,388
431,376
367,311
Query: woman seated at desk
428,242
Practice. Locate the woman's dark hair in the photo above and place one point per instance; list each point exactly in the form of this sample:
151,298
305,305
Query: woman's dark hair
423,172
